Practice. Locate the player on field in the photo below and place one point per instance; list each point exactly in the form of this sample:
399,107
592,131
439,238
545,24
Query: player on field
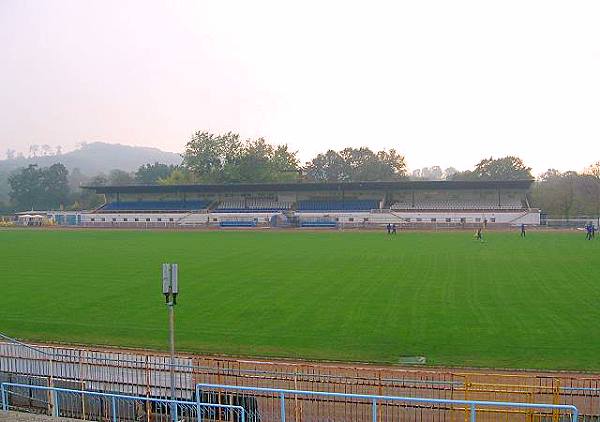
394,228
588,232
479,235
522,230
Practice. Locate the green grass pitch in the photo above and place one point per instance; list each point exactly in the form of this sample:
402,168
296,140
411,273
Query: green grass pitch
507,302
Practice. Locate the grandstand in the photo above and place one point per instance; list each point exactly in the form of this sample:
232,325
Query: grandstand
365,204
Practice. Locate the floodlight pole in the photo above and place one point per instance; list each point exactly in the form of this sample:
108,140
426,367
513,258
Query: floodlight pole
172,360
170,290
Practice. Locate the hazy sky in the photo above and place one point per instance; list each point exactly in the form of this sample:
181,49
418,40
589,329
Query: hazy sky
443,82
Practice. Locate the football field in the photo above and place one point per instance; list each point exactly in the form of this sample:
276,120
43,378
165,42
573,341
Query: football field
351,296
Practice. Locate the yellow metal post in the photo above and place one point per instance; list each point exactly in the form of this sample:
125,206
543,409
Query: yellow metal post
556,399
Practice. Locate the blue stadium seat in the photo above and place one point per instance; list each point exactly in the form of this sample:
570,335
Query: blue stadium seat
250,210
338,205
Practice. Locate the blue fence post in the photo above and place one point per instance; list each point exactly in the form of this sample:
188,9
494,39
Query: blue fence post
282,399
374,410
473,415
174,411
55,408
4,398
575,414
198,410
114,408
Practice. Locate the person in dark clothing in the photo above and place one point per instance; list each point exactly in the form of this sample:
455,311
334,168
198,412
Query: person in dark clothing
479,235
389,228
588,232
394,228
522,230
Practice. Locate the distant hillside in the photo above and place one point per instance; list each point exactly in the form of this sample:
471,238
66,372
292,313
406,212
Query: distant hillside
98,157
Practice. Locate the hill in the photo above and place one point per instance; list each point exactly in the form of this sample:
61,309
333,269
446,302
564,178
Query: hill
97,157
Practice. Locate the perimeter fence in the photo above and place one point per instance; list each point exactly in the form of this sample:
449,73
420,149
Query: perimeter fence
146,374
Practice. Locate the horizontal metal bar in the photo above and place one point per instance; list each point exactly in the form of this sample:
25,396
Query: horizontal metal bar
567,407
119,396
14,340
580,388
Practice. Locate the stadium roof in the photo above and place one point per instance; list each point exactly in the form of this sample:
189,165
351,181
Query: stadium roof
315,187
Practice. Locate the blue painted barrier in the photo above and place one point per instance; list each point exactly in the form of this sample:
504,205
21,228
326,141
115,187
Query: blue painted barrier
237,223
318,224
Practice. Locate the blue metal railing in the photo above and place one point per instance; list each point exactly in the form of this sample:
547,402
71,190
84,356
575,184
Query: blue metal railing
472,405
115,398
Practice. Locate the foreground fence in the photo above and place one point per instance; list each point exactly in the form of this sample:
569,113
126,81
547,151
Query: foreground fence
284,406
319,405
146,374
98,406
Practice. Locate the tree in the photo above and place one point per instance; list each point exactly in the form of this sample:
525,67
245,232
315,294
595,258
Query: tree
328,167
356,164
549,175
86,198
463,175
206,154
120,178
226,159
99,180
394,162
151,173
35,188
55,184
178,176
284,164
506,168
76,179
258,161
10,154
592,186
25,187
449,173
558,193
430,173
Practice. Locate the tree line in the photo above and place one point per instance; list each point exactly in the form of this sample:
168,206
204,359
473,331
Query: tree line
227,158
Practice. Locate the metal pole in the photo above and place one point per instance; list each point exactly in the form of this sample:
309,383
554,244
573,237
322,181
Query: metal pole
114,408
172,365
282,403
56,410
53,399
374,410
473,417
4,398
